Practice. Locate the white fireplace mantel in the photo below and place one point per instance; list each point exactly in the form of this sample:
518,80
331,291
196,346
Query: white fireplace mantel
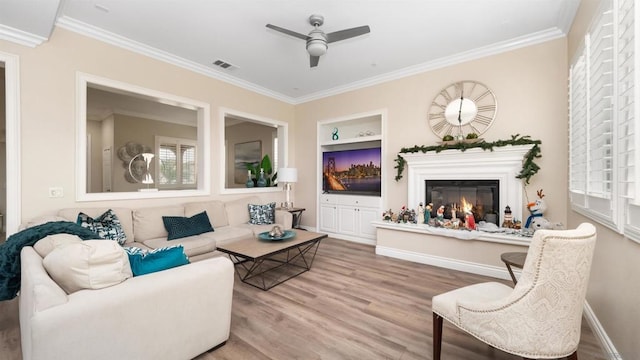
503,164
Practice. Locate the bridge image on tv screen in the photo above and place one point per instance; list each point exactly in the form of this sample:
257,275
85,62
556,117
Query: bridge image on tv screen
356,172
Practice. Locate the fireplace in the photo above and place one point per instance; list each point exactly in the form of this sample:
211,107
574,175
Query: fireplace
501,165
482,196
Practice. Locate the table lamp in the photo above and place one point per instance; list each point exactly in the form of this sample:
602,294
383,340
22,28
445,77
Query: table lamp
288,176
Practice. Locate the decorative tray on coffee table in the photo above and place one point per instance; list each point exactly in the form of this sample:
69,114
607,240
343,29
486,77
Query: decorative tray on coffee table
288,234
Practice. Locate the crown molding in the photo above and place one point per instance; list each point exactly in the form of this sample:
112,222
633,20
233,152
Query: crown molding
20,37
140,48
85,29
493,49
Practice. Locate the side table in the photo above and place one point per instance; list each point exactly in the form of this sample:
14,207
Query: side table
515,259
297,215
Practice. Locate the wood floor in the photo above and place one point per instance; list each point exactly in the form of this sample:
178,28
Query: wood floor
353,304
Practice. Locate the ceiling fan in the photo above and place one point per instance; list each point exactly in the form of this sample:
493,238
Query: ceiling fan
317,40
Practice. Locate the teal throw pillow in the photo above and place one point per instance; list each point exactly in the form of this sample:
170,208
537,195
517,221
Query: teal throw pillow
262,214
179,226
146,262
107,226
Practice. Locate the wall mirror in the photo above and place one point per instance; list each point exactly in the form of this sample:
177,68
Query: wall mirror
248,140
139,143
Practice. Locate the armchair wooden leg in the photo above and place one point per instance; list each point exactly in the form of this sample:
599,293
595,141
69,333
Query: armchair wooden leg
573,356
437,336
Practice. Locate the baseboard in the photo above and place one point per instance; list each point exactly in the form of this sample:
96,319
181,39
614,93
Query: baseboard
448,263
606,344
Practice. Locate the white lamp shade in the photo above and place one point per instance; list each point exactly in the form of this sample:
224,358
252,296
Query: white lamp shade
288,175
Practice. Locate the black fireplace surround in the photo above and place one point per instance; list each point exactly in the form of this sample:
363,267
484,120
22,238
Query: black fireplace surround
484,195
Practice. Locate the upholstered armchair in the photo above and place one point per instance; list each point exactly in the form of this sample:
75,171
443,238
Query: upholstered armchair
541,317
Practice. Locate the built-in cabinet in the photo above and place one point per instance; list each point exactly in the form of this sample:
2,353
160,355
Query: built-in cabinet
349,216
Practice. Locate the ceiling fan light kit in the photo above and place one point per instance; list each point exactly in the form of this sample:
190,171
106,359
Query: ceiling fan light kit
316,43
317,40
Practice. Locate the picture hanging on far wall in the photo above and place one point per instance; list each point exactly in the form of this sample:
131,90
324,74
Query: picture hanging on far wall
245,153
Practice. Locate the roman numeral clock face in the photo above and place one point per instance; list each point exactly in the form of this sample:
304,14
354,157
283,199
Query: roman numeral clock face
462,108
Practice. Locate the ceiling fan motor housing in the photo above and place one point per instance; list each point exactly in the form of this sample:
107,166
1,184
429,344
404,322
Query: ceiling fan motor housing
317,43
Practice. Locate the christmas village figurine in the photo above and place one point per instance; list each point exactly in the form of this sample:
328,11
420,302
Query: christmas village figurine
440,216
427,213
469,220
508,218
407,216
537,209
420,218
536,220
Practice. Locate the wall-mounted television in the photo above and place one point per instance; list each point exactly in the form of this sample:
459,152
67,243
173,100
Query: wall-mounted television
355,172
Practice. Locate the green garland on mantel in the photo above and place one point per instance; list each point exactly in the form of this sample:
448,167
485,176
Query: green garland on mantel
529,167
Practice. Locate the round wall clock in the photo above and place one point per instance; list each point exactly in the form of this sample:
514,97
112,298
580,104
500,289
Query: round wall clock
462,108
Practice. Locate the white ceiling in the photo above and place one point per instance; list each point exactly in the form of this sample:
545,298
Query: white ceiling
407,36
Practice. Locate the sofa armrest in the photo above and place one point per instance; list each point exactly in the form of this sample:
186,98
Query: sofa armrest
284,218
172,314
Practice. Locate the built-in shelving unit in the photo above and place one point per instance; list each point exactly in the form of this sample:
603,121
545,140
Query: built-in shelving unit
349,216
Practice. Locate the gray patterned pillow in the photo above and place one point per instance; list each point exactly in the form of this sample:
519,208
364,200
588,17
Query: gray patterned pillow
262,214
107,226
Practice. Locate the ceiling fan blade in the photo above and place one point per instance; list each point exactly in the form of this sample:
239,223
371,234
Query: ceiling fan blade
314,60
288,32
347,33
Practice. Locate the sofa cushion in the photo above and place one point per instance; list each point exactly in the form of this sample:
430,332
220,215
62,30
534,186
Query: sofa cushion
124,215
215,210
42,220
148,224
193,245
107,226
47,244
228,234
262,214
91,264
237,209
180,226
146,262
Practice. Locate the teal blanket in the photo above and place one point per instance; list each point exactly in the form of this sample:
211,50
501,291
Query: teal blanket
10,251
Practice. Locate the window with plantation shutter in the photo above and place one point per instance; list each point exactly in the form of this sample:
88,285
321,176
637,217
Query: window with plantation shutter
578,130
591,117
604,176
176,163
628,137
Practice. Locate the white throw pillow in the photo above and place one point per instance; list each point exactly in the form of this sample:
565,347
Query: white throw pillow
47,244
90,264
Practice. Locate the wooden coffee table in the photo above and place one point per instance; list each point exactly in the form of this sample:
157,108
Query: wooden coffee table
266,263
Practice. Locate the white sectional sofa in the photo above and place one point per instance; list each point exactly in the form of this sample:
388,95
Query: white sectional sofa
171,314
230,221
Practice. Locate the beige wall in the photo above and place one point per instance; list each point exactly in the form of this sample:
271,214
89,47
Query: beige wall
48,119
529,83
614,288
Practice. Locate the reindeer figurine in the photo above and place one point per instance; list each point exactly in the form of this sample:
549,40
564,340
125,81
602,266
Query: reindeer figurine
537,209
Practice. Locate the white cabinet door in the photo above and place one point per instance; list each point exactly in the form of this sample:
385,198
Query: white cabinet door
348,220
365,217
328,218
